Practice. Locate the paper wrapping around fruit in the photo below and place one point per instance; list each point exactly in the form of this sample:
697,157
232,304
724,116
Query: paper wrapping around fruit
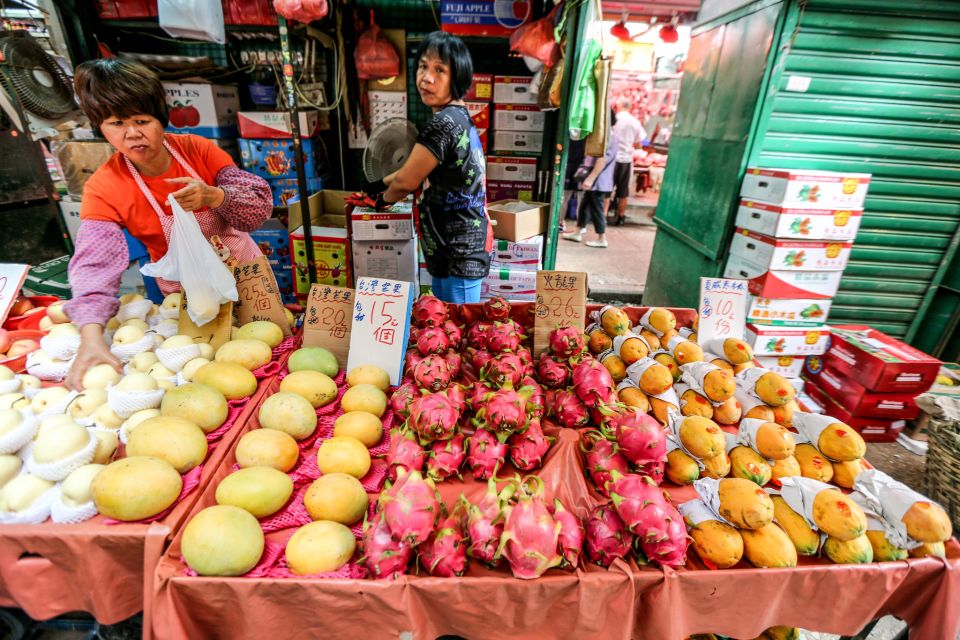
627,383
884,498
747,435
619,340
645,322
685,333
799,493
693,375
747,400
635,370
747,379
670,396
673,437
696,511
809,426
596,315
709,491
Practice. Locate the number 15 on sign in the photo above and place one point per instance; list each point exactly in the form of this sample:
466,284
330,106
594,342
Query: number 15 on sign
722,310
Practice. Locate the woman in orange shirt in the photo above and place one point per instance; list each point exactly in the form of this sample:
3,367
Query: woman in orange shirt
126,102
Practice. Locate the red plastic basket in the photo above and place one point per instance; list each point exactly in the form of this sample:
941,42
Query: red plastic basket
124,9
14,323
251,12
19,363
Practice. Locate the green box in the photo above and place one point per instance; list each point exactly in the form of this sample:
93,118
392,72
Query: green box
49,279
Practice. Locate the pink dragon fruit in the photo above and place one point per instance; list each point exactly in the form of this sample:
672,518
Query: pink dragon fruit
566,342
476,337
412,358
457,395
454,333
484,521
517,327
653,470
402,397
429,311
640,437
383,556
405,452
665,541
496,309
503,369
477,395
433,417
432,340
485,454
566,407
444,554
479,358
552,372
603,457
593,384
501,337
528,448
410,506
445,459
533,392
638,501
607,538
503,412
432,373
454,363
526,358
530,537
571,534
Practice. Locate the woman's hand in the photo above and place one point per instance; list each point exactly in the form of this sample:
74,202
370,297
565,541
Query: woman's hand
93,351
197,194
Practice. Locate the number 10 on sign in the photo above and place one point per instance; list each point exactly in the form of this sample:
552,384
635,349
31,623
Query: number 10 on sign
723,309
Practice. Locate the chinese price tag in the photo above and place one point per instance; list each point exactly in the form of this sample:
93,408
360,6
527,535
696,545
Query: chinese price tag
11,279
258,295
327,320
215,333
723,309
561,302
381,325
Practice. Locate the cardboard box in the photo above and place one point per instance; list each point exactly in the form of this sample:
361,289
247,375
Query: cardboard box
518,117
276,124
479,113
787,366
79,159
327,209
274,241
787,341
70,212
514,90
789,255
511,169
274,158
857,399
519,142
331,254
879,362
517,220
286,188
49,279
525,255
396,223
201,108
838,225
871,429
511,284
815,285
510,190
481,89
806,189
780,312
390,259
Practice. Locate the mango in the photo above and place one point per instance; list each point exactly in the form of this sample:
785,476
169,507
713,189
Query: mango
768,546
783,415
314,359
342,454
760,412
268,448
615,322
670,363
744,504
633,348
927,522
135,488
338,497
702,437
883,550
176,440
201,404
775,442
615,365
653,340
686,352
633,397
804,538
728,413
365,397
737,351
841,443
929,550
717,543
598,341
845,473
774,390
248,353
716,467
787,467
662,320
369,374
262,491
719,385
232,380
694,404
319,547
783,633
681,468
361,425
655,380
856,551
317,388
288,412
262,330
661,409
836,515
723,364
748,464
812,464
222,540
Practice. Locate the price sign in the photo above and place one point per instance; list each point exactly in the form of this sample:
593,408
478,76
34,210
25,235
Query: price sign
723,309
381,325
11,279
258,295
328,319
216,332
561,302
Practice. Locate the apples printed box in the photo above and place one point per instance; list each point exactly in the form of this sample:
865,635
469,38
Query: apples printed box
787,366
790,255
872,429
879,362
208,110
806,189
816,285
800,224
779,312
857,399
787,341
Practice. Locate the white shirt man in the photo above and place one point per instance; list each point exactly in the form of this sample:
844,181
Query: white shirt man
630,134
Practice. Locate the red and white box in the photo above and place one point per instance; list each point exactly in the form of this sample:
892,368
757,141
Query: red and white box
396,223
524,255
791,312
511,169
514,90
789,255
879,362
497,190
787,366
787,341
857,399
481,90
518,117
276,124
479,113
765,283
483,139
527,143
871,429
839,225
806,189
511,284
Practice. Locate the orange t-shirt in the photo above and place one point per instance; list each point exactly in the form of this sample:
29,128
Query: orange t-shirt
111,193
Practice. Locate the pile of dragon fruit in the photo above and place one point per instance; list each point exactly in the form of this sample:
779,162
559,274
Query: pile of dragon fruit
473,398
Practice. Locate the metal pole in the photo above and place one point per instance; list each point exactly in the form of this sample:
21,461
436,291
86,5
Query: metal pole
297,148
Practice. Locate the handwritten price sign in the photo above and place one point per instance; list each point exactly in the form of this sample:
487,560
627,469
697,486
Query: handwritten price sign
723,309
561,302
11,279
259,298
328,320
381,325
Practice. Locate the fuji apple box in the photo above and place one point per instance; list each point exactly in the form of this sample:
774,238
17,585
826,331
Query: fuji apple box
872,429
780,312
806,189
857,399
787,341
879,362
790,255
766,283
800,224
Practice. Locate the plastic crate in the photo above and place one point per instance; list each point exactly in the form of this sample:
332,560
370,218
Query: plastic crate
126,9
249,12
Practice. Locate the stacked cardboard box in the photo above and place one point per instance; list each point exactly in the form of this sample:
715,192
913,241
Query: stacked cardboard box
331,247
517,249
266,149
478,104
384,243
273,238
518,125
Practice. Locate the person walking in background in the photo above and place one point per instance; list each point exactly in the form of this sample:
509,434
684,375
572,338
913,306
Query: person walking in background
596,187
630,134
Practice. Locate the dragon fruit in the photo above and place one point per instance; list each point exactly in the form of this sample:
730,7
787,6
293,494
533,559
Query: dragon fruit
607,538
502,369
432,340
533,392
479,358
496,309
445,459
526,358
552,372
593,384
528,448
433,417
444,554
503,412
637,499
478,395
484,521
502,337
429,311
665,541
602,457
432,373
405,452
454,333
571,534
485,454
566,407
410,506
402,397
457,396
454,363
412,358
383,556
566,342
640,437
530,534
476,337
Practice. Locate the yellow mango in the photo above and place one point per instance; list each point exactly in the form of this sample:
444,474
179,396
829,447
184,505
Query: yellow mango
702,437
774,441
615,321
744,504
717,543
633,348
686,352
653,340
804,538
845,473
716,467
633,397
615,365
856,551
728,413
768,546
838,516
656,379
774,390
812,464
783,415
840,442
927,522
681,468
760,412
694,404
883,550
719,385
748,464
788,467
662,319
670,363
737,351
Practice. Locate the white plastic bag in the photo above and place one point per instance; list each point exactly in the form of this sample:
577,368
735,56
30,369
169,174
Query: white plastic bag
192,262
201,20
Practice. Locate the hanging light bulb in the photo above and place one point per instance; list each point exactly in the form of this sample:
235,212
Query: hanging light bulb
620,30
668,33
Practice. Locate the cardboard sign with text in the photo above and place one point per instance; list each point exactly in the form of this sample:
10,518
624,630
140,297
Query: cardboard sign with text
258,294
216,332
381,325
327,320
723,309
561,302
11,279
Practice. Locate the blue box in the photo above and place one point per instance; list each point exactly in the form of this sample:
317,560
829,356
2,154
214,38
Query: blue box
274,158
286,188
285,285
274,241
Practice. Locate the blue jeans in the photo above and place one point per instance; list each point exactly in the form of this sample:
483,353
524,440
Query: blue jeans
457,290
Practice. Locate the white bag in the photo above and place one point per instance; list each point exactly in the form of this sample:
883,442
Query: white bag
191,19
192,262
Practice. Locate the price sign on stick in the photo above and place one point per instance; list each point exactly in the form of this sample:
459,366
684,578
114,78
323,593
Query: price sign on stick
328,320
561,302
723,309
216,332
381,325
11,279
258,295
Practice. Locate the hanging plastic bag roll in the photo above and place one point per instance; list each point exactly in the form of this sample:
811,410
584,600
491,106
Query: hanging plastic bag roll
191,261
192,19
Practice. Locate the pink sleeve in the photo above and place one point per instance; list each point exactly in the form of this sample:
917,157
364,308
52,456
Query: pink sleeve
100,259
248,202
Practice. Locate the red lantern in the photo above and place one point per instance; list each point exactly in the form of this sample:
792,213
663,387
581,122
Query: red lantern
669,33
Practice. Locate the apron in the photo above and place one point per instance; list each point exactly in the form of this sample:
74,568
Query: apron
230,245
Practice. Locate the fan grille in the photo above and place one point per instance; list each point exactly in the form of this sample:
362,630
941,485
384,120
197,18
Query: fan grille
36,78
388,148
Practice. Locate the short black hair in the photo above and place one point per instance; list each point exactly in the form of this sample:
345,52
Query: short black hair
118,87
455,54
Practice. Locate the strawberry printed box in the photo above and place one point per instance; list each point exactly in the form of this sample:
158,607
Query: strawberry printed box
789,255
787,312
787,341
839,225
806,189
